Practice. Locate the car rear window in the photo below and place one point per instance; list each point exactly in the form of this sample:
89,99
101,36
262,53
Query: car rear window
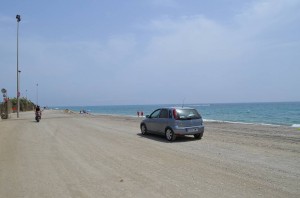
187,114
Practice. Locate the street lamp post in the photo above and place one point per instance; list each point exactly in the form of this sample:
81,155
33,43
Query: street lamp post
18,17
37,94
19,87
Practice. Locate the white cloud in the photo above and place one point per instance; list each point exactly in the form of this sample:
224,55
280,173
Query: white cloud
269,16
194,44
197,39
240,58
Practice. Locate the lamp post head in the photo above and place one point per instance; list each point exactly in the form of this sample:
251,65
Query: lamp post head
18,17
3,91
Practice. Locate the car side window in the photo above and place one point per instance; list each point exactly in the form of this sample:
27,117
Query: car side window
155,114
164,113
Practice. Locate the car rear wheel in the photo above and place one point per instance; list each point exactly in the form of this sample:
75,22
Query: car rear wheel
143,129
170,135
198,136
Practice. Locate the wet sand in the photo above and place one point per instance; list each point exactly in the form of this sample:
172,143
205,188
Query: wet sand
72,155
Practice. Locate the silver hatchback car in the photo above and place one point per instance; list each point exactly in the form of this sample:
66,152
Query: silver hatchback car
172,122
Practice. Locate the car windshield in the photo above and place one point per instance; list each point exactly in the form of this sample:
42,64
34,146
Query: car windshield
187,114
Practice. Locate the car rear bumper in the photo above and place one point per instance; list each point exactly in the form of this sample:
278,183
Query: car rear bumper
188,130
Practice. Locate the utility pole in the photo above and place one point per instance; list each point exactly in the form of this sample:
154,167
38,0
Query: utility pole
18,17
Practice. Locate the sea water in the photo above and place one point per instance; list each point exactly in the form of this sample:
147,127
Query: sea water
281,113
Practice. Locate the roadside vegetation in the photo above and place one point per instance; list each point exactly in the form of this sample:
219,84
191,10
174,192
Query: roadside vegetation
25,104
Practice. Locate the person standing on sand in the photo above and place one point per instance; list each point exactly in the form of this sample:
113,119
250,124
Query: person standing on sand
138,113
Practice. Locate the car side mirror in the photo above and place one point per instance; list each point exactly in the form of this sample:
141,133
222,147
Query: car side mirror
147,116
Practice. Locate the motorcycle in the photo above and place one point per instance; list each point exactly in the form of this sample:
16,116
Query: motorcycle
38,116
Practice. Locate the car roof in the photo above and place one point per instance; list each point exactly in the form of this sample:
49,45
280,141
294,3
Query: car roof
177,108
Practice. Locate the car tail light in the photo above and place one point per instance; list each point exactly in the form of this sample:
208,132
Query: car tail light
175,114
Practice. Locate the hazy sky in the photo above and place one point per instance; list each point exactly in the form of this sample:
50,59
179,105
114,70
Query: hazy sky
101,52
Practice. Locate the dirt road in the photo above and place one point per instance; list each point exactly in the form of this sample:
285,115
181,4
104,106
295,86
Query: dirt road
68,155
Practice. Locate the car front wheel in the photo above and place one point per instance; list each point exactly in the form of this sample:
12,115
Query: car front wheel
170,135
198,136
144,129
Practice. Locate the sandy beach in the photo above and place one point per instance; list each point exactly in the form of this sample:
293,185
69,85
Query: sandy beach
72,155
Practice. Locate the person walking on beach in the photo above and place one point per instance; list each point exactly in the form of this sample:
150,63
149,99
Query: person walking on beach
138,113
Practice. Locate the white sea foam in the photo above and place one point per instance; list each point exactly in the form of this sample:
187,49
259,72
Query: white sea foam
246,123
296,125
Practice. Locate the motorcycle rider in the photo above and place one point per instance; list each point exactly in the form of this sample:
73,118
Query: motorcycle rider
37,109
